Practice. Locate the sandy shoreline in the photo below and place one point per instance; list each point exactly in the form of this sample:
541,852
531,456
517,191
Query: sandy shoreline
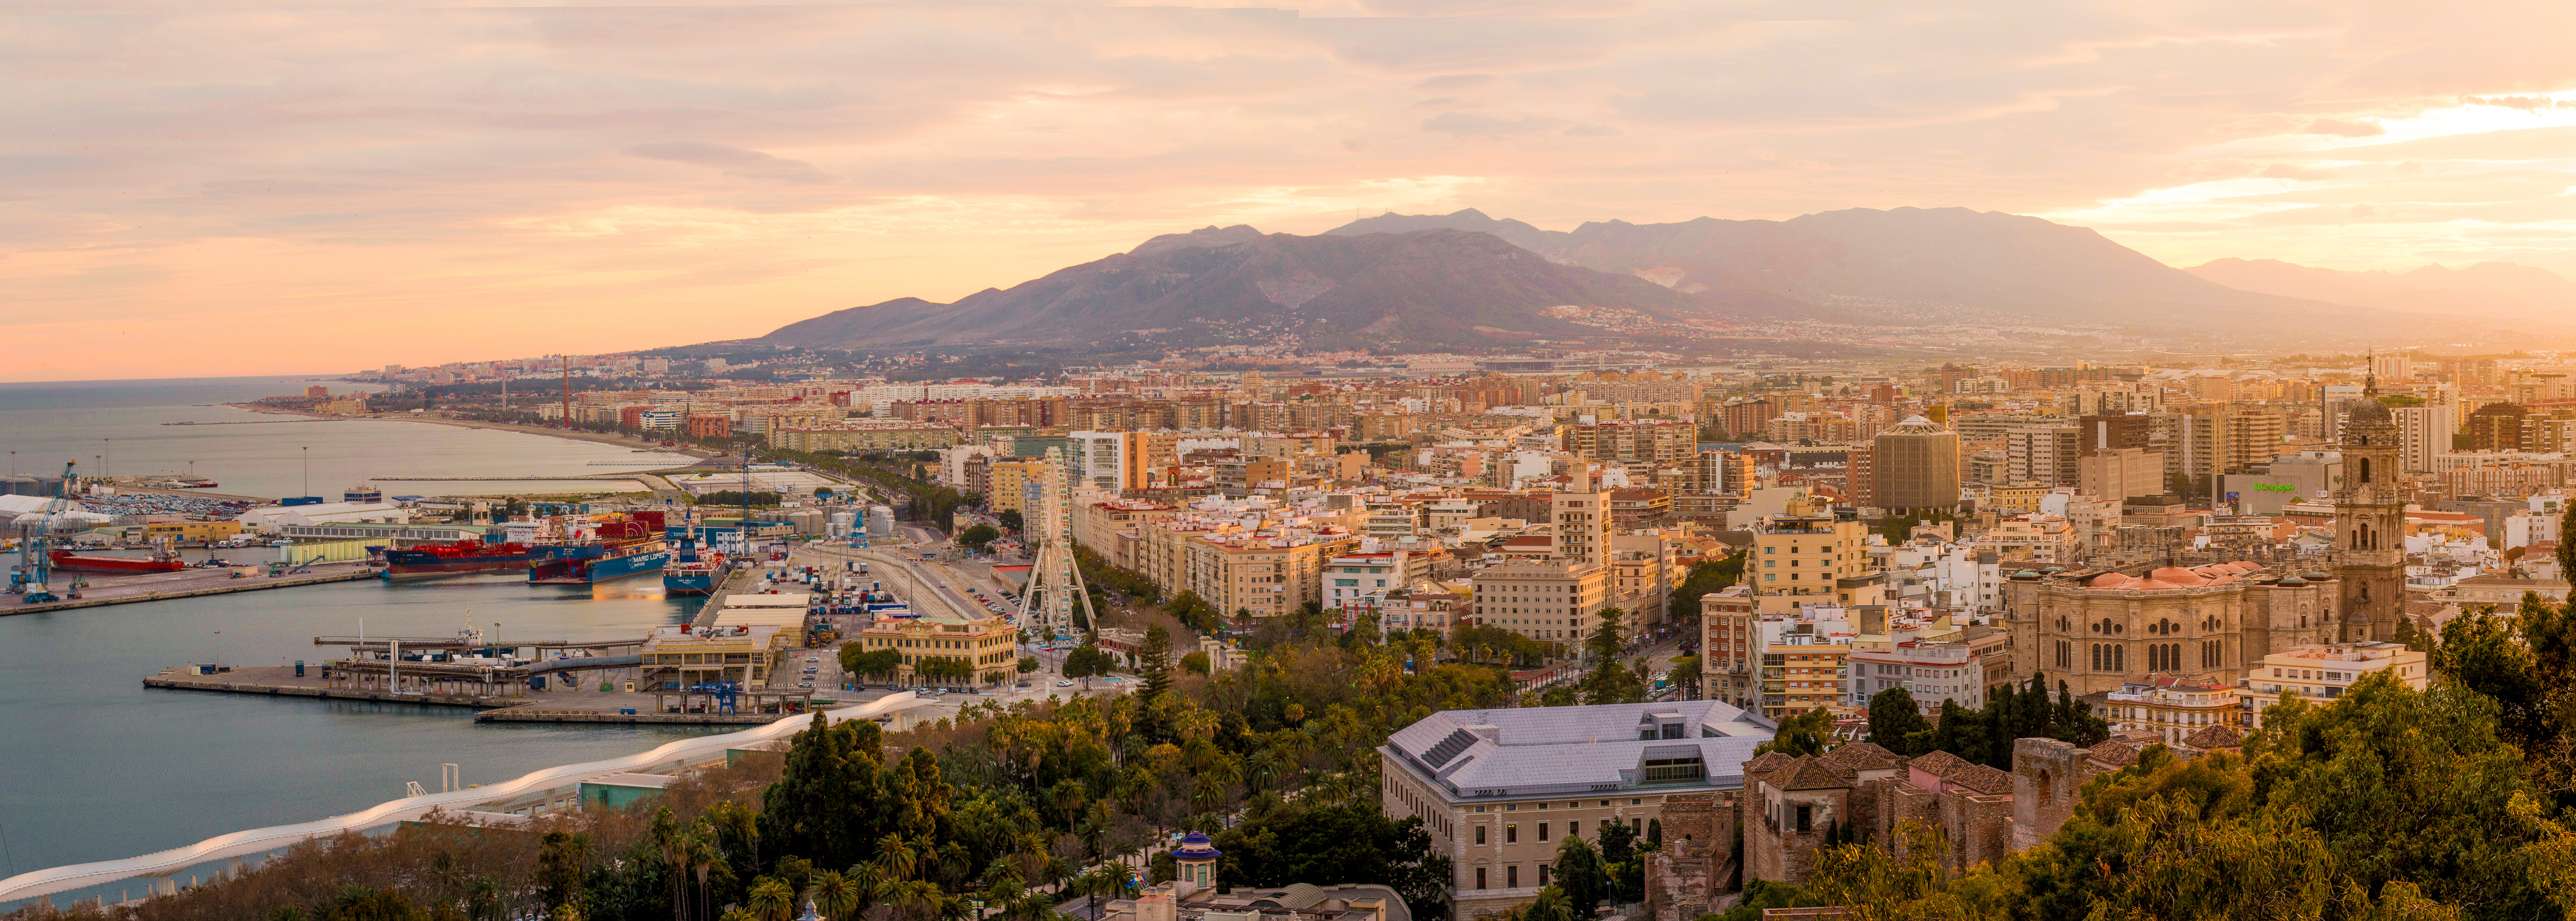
569,435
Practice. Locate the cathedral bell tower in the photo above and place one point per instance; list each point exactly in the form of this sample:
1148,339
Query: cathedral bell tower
2370,524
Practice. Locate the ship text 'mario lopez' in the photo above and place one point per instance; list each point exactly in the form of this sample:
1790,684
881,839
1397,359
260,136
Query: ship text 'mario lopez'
601,548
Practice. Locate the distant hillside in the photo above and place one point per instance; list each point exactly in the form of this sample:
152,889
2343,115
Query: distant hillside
1868,265
1433,288
2487,289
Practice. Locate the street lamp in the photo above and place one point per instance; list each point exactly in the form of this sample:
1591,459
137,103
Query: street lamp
308,470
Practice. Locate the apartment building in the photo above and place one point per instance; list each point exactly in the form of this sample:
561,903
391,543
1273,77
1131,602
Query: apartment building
1638,445
1729,647
1930,672
1554,600
1809,556
1499,790
2170,706
1351,580
2322,672
1805,662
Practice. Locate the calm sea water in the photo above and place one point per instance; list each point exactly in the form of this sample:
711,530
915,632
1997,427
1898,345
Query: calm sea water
97,767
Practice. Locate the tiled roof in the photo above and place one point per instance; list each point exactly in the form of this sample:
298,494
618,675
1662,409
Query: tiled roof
2215,737
2116,753
1864,756
1805,773
1939,764
1983,779
1766,763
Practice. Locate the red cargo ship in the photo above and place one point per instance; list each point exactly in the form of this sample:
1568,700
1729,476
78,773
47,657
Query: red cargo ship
158,562
461,556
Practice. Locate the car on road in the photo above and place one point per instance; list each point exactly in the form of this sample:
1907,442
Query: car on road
1064,684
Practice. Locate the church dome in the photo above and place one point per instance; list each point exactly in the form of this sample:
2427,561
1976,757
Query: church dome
2369,411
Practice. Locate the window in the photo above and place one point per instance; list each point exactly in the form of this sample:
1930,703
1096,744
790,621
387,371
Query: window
1542,874
1806,815
1542,835
1480,874
1512,876
1512,834
1574,829
1480,839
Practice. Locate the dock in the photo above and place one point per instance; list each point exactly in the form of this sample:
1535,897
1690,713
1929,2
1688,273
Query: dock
511,702
185,583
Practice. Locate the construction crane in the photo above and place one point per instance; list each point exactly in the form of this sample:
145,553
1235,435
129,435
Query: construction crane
32,582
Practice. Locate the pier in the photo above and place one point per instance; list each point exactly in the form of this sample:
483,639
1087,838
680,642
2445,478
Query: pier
186,583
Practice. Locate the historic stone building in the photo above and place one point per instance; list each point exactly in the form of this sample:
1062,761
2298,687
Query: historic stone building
2370,525
2094,628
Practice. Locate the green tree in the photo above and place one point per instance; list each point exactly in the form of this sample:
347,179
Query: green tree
825,805
977,537
1012,520
1283,842
1809,733
562,862
1028,664
1195,663
1705,576
1579,872
1894,719
1154,664
1610,681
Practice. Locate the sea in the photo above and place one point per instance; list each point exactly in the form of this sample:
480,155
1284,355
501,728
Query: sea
98,767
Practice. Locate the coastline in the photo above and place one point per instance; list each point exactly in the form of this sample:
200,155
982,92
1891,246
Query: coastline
570,435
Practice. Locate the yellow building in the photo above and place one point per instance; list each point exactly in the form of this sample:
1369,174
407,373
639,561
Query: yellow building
1235,570
191,530
674,660
1008,479
1808,555
989,644
2323,672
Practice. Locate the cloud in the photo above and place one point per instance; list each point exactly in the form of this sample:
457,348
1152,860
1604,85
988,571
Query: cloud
1467,125
594,177
2341,128
2301,173
748,164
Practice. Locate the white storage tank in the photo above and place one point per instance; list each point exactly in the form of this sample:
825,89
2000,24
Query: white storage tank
842,524
880,521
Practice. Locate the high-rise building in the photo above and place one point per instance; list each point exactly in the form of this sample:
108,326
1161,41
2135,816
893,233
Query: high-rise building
2123,430
2424,434
2120,474
2497,427
2042,454
2392,370
1917,465
1582,517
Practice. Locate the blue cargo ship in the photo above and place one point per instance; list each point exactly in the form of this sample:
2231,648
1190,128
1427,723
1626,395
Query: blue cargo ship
619,546
693,573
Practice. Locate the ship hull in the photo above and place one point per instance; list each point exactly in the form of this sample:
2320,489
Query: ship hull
698,582
593,570
404,563
64,560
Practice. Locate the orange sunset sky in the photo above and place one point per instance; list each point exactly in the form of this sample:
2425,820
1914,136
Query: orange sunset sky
212,187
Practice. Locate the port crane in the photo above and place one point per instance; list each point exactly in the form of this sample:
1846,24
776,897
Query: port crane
32,582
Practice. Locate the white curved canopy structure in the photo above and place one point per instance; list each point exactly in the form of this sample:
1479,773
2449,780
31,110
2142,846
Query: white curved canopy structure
263,840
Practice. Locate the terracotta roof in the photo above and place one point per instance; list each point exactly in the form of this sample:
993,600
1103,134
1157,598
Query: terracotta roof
2115,753
1939,764
1984,779
1766,763
2210,738
1813,774
1863,756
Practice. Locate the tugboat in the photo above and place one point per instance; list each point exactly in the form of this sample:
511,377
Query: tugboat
605,548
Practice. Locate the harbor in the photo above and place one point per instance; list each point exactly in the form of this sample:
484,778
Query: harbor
187,583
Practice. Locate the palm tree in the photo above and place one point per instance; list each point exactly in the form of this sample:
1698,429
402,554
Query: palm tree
1551,905
895,857
835,895
771,900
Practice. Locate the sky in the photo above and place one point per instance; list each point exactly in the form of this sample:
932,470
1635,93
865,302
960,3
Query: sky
211,187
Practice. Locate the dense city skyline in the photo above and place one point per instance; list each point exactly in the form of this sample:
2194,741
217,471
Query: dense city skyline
208,191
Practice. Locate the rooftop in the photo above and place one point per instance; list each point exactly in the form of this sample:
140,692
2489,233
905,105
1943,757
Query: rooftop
1557,750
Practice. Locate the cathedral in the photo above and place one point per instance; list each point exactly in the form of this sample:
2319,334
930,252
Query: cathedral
2097,627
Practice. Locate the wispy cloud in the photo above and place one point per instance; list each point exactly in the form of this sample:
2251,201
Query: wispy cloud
574,178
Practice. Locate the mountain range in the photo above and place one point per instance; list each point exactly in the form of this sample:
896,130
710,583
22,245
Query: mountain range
1468,280
2485,289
